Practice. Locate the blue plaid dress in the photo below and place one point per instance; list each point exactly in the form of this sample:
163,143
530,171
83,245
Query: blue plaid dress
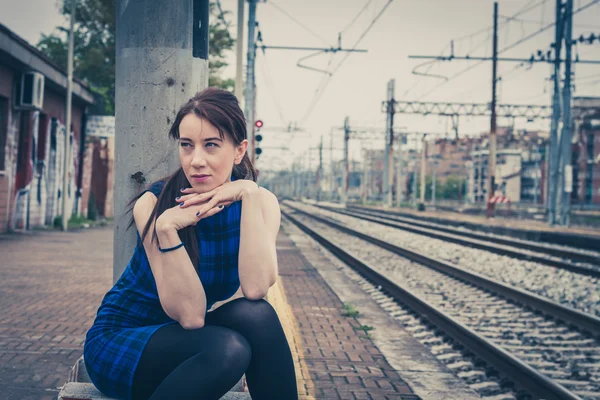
131,312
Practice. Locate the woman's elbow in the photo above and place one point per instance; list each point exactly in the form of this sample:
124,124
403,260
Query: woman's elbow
191,324
255,294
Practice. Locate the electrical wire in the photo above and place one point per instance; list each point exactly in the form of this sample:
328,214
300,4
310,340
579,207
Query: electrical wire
528,7
324,80
518,42
278,8
531,21
271,89
356,17
321,90
509,47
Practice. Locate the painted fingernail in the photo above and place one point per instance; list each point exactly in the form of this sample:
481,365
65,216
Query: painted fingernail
198,214
181,190
181,205
221,206
177,198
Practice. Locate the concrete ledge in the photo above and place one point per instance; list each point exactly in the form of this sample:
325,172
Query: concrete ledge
80,387
87,391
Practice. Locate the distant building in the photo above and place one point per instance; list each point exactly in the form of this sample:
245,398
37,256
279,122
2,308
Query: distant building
32,137
508,175
586,151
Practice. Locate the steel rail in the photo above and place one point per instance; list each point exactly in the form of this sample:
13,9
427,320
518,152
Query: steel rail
576,240
494,245
579,319
564,253
527,377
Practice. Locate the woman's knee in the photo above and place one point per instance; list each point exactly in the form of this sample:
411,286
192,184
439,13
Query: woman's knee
260,311
233,350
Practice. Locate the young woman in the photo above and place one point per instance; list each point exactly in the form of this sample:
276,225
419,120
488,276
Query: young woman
187,317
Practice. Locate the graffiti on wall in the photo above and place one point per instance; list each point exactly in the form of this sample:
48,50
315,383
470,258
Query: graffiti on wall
40,172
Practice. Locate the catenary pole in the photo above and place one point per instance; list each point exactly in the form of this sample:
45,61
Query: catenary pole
161,62
239,50
399,181
250,86
566,135
553,161
389,146
345,179
67,150
423,172
491,183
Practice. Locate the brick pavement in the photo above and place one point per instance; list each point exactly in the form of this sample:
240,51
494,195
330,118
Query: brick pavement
49,301
51,284
342,362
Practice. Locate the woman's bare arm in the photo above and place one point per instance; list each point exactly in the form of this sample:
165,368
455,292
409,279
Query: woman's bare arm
179,288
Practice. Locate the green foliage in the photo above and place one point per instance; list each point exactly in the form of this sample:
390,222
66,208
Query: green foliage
365,329
350,311
452,189
220,42
75,221
94,49
92,208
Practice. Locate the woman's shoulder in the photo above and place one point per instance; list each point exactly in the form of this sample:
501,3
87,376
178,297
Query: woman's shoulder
155,188
145,203
268,199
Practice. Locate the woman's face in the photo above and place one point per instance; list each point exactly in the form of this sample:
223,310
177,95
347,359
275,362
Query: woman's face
206,159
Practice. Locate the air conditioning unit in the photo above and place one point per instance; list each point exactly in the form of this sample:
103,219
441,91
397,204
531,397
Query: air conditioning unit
30,91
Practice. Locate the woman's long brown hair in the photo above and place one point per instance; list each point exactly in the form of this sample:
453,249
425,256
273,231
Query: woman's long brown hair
221,109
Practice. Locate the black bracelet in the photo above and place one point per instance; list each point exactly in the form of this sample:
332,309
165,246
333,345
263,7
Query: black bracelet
170,248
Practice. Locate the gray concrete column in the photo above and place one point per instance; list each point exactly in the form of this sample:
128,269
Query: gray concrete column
161,62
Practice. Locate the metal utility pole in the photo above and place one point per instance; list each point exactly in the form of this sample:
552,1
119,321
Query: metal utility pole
332,177
161,61
423,171
566,135
491,186
345,180
249,95
553,161
399,182
239,50
67,151
433,165
320,171
389,145
365,179
537,175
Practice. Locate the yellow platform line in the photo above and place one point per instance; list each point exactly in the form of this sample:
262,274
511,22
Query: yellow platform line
277,298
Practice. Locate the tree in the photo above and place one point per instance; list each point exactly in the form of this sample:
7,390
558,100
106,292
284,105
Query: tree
94,49
454,188
219,43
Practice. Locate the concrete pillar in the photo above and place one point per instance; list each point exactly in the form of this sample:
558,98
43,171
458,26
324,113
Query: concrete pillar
161,62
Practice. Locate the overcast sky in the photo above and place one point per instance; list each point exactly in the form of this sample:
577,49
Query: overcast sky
288,93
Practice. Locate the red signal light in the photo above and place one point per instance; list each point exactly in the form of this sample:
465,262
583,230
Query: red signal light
258,123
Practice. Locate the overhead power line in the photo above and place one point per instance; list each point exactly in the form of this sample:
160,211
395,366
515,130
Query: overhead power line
528,7
320,90
534,34
509,47
356,17
278,8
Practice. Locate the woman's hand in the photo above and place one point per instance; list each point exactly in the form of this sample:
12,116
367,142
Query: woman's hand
179,217
223,195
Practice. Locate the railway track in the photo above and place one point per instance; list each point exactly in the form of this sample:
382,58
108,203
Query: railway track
575,244
516,332
524,250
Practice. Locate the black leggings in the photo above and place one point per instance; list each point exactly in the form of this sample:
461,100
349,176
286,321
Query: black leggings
241,336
